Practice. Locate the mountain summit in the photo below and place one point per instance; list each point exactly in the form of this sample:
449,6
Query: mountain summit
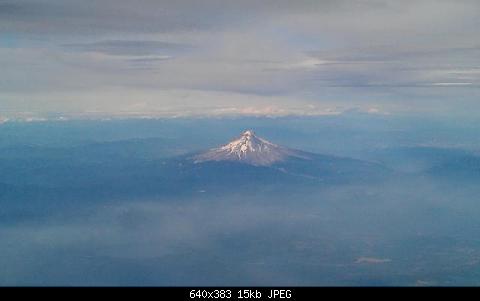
250,149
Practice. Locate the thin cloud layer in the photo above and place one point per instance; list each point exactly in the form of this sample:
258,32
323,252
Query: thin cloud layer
409,56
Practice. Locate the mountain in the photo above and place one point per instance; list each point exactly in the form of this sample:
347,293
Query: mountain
250,149
250,156
248,164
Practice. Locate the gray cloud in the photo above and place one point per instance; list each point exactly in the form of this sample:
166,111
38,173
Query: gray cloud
357,53
100,16
130,47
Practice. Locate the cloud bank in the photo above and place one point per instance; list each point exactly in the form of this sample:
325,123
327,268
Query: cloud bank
70,56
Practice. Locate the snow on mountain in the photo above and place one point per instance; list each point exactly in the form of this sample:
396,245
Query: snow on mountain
250,149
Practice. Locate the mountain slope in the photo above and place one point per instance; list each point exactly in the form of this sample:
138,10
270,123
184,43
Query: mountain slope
250,149
257,152
249,165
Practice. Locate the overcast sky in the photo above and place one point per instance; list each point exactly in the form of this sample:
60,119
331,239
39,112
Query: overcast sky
220,57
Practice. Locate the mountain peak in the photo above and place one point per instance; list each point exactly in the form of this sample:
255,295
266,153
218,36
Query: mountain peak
249,149
248,133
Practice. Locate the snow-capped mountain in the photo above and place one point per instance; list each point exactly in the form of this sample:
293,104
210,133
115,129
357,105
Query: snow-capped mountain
250,149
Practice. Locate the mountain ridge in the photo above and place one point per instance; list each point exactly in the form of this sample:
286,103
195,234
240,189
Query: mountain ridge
250,149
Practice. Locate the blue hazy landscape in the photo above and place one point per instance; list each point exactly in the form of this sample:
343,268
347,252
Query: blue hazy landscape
110,203
239,143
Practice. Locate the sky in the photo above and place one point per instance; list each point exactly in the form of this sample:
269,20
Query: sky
149,58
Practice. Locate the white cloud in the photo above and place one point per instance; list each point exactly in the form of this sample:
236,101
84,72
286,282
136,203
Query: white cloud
372,260
451,84
166,103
